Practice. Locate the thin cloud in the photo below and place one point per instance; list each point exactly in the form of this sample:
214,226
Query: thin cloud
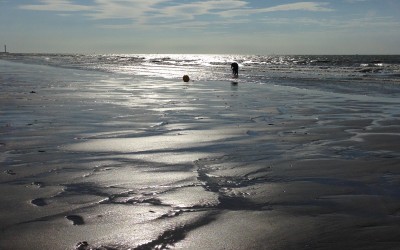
355,1
302,6
123,9
193,9
56,5
150,13
337,24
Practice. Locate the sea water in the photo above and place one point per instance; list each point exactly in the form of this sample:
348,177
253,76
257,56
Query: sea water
377,75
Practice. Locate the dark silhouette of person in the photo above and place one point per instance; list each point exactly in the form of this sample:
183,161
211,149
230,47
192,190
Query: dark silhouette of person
235,69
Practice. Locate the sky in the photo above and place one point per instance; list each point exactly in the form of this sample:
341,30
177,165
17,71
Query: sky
262,27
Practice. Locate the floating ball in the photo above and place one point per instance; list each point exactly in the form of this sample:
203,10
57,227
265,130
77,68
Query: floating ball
186,78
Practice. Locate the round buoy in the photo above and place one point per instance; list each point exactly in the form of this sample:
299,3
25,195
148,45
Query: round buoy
186,78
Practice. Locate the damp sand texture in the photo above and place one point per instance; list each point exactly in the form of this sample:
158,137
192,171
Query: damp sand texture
93,160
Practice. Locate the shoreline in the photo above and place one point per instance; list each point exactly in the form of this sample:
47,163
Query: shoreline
131,162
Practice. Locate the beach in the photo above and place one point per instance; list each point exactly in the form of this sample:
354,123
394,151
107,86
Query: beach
105,160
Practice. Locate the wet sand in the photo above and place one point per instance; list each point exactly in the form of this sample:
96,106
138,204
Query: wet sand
93,160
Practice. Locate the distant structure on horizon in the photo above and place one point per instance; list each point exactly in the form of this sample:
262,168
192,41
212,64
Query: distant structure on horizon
5,50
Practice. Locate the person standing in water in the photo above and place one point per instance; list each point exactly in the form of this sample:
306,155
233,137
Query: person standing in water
235,69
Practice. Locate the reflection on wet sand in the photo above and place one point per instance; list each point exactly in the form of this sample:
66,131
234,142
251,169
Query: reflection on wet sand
123,163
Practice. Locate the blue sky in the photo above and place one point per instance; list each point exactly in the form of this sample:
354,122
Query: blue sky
201,26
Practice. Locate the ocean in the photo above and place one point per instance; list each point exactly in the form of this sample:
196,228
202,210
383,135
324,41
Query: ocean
118,152
371,74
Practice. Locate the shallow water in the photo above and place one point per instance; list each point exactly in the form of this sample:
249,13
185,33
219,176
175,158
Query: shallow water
125,161
377,75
